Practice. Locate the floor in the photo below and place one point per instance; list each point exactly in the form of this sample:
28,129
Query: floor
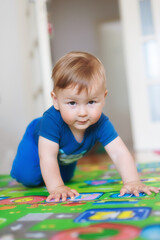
143,157
98,213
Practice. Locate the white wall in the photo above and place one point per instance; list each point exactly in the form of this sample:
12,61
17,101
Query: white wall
24,73
12,92
117,105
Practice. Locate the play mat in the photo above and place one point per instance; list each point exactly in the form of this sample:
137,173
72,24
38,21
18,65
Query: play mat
98,213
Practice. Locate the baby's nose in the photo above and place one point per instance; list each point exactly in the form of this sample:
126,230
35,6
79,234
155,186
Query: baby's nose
82,111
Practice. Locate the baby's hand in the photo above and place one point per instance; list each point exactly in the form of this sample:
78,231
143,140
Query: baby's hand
136,187
62,192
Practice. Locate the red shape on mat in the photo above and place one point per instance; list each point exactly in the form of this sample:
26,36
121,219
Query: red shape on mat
125,232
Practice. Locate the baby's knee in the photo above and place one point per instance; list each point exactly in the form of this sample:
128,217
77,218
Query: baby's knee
32,181
27,179
67,178
67,171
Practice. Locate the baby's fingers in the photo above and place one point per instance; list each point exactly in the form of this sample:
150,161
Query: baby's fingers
149,190
136,193
71,194
123,191
64,196
75,192
154,189
50,197
57,197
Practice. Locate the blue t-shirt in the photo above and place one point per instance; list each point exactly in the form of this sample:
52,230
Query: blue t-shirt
52,127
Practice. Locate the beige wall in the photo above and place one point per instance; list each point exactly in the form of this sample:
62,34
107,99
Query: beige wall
75,23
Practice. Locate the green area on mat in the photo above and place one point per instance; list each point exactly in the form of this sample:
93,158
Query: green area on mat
98,213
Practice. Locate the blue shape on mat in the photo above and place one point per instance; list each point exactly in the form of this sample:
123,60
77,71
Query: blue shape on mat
151,232
113,214
84,197
114,202
127,195
102,181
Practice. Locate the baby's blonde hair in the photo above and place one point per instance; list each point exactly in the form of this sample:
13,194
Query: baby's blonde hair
78,69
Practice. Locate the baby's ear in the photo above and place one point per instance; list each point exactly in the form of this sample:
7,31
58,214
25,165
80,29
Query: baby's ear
105,94
55,101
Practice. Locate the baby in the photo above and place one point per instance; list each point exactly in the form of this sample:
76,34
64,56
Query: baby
52,145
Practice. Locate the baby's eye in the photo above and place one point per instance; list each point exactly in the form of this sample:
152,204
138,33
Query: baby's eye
72,103
91,102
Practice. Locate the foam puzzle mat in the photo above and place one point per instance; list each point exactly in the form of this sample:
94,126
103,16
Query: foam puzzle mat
98,213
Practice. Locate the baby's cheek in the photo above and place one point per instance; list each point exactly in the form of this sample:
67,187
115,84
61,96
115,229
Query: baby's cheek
96,116
68,120
67,117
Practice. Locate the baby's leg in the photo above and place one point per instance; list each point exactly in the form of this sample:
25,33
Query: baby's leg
26,167
67,171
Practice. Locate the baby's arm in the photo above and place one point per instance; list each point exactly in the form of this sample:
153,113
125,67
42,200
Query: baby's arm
48,152
126,166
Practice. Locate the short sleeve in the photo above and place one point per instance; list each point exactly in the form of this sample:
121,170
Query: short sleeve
50,127
105,130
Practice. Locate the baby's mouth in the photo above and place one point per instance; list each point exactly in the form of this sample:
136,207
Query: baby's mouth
82,122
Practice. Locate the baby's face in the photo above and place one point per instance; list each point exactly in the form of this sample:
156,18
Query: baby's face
79,111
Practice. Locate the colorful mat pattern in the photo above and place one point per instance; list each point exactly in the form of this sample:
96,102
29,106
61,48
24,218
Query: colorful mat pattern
98,213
